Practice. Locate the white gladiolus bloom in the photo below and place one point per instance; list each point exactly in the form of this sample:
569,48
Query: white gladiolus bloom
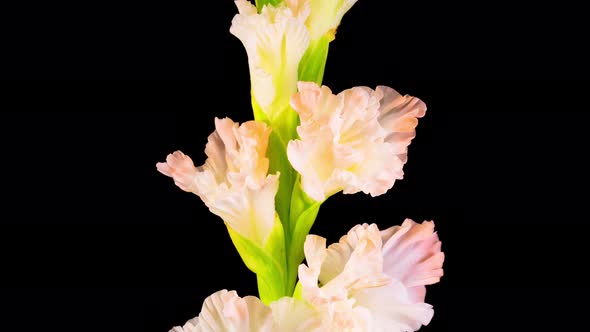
275,40
354,141
371,280
233,182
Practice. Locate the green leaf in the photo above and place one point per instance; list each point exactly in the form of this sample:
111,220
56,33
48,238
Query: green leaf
313,63
268,263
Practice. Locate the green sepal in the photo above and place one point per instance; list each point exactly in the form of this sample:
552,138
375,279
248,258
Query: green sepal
313,62
262,3
303,213
268,263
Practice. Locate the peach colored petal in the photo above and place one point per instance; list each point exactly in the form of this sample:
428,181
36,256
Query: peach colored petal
391,308
226,311
412,255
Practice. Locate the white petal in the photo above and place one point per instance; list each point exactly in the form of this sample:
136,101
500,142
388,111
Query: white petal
326,15
250,212
392,310
360,251
275,40
293,315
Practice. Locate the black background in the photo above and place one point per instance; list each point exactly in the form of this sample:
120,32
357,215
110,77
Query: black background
92,238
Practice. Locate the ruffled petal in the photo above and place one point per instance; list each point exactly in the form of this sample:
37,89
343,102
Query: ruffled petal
412,255
234,181
399,116
180,167
190,326
226,311
353,141
391,308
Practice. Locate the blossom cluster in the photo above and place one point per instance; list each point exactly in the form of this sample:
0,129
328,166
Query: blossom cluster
267,178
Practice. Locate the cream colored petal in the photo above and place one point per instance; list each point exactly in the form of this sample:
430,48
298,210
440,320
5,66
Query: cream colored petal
250,212
314,160
275,40
290,314
326,15
412,254
399,116
392,310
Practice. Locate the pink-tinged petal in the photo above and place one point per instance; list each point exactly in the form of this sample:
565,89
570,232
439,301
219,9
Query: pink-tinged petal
226,311
181,169
391,308
233,182
290,314
354,141
190,326
412,254
399,116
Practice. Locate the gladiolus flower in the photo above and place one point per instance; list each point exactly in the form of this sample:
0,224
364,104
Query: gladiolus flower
275,40
373,280
354,141
233,182
322,17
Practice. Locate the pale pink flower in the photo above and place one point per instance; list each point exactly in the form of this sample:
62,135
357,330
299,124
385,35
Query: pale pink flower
357,283
233,182
226,311
354,141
